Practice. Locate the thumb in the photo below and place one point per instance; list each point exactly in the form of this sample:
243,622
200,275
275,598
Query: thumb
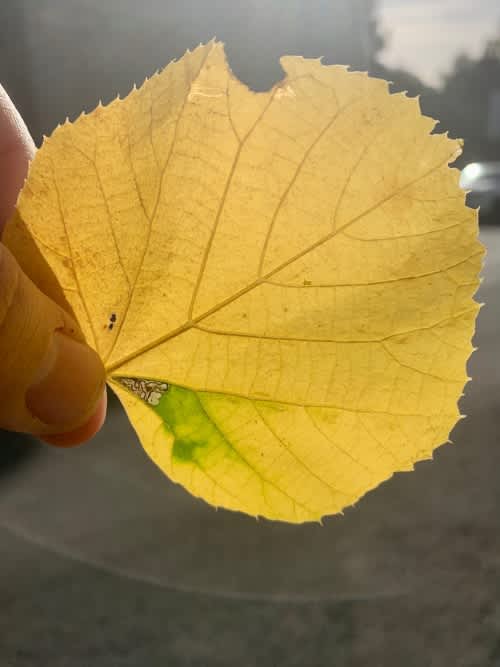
51,382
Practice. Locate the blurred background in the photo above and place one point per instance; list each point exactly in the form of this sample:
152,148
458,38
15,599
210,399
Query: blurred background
103,561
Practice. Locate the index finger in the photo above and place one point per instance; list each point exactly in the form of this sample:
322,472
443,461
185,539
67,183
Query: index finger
16,150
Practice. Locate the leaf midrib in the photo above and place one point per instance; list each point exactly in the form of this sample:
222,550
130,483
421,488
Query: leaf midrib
111,368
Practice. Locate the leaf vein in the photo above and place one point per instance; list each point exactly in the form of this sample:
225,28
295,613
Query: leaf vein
302,463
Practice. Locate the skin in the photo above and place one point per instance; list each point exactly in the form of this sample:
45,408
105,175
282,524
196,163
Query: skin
16,150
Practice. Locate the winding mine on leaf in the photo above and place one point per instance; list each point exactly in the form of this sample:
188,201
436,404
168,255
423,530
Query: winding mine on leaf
280,284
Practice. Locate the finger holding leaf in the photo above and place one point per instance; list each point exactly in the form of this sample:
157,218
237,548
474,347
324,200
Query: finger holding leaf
42,349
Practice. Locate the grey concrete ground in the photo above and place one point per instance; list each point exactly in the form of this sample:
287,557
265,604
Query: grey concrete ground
104,563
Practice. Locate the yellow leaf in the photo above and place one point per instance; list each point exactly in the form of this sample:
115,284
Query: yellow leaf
280,284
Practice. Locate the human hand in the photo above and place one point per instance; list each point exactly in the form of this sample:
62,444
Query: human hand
51,383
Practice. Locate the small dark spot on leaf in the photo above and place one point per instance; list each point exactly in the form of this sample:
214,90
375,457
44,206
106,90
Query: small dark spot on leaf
184,450
112,320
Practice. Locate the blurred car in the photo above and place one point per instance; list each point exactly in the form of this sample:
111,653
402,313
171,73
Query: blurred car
482,181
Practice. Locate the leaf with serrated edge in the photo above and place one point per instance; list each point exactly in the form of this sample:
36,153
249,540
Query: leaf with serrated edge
280,284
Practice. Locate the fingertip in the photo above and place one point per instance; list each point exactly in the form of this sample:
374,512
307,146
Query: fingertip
82,433
16,150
